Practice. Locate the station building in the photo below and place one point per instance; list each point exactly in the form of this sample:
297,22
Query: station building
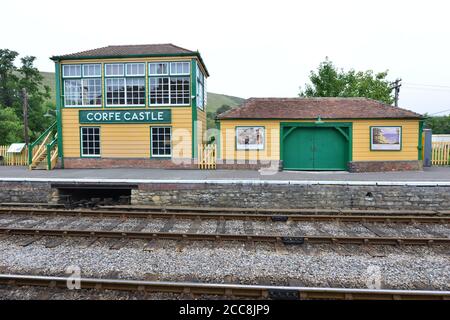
354,134
145,106
130,106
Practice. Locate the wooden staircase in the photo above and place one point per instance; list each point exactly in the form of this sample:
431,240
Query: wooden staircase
46,155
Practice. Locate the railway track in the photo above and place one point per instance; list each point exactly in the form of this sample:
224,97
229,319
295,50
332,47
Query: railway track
229,290
215,210
272,238
218,214
221,234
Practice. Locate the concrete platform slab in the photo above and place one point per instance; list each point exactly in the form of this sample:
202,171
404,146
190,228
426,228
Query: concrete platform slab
430,176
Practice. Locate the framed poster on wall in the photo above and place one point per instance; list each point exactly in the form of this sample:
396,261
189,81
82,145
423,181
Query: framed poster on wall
386,138
250,138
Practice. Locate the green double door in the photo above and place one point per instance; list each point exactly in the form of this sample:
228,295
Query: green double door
315,148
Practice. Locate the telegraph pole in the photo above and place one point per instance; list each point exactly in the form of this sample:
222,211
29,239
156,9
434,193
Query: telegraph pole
396,86
25,115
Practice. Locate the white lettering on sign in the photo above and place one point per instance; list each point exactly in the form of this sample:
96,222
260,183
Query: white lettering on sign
123,116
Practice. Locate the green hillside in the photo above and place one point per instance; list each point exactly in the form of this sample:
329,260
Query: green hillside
215,100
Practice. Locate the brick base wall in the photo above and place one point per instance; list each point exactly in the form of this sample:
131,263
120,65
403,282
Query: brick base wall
380,166
97,163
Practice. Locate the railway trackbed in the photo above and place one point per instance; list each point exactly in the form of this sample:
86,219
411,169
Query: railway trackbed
227,290
272,238
219,214
346,229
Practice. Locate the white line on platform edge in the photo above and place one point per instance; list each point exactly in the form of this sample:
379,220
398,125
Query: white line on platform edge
230,181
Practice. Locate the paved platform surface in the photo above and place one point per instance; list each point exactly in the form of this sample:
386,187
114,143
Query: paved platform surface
434,174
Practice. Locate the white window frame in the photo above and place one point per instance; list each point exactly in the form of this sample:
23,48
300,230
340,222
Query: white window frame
151,143
180,74
125,92
92,64
159,74
115,75
135,75
99,142
72,65
82,94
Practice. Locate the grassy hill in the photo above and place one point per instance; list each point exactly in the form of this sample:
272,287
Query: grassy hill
215,100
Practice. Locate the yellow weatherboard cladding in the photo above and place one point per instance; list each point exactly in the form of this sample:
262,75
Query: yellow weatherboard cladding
128,140
131,140
360,141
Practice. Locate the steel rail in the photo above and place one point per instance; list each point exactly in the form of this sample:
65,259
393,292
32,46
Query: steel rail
273,238
145,208
228,216
234,290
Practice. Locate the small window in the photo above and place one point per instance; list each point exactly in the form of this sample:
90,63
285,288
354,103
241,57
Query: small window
72,71
135,69
90,142
180,68
114,69
161,140
92,70
159,68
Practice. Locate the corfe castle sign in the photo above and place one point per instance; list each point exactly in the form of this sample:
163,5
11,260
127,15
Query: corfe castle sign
125,116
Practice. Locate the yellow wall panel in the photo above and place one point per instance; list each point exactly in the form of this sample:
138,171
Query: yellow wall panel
361,140
128,140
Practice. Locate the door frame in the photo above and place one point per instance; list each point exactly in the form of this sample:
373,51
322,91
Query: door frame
337,125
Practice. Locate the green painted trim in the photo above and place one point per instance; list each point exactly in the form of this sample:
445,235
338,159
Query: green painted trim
49,157
81,144
188,54
58,112
248,150
401,137
336,125
420,146
151,143
218,140
193,93
313,119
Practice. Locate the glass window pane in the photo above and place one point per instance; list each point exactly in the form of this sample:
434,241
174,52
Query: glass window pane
114,69
71,70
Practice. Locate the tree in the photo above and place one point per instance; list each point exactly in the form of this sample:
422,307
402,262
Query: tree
438,125
11,128
38,95
223,108
8,78
12,81
328,81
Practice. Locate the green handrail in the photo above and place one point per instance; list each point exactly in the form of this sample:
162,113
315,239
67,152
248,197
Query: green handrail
49,153
33,144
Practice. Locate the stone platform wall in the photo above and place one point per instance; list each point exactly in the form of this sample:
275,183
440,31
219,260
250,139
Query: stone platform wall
259,195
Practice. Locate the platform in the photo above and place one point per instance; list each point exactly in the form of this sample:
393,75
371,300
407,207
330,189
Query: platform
432,176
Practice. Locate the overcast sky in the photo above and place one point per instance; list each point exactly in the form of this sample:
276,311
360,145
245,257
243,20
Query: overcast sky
254,48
